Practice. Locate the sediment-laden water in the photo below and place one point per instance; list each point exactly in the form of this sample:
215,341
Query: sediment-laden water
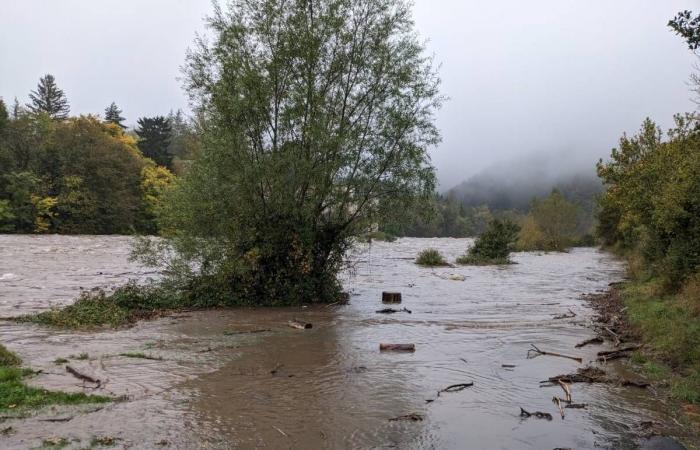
330,386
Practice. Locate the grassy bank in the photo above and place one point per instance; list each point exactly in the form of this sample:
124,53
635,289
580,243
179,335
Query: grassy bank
669,326
16,395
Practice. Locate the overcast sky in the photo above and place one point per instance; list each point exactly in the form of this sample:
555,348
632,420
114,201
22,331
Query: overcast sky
565,77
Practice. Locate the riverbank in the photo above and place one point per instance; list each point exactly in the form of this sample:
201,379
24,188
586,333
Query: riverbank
668,334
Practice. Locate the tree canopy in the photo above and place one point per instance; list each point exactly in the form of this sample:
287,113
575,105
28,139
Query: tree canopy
316,117
154,139
114,115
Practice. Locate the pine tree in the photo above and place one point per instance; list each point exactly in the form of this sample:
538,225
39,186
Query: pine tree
48,98
154,139
113,115
4,116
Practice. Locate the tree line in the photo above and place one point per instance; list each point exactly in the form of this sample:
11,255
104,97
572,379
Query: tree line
85,175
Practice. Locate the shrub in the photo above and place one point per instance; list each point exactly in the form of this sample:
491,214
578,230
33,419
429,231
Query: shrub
430,257
494,245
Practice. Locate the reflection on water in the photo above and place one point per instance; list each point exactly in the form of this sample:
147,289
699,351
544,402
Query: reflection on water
330,387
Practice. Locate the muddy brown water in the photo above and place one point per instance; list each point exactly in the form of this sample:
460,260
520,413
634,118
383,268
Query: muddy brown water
330,386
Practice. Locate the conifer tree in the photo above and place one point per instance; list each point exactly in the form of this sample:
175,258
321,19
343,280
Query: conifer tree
48,98
114,115
154,139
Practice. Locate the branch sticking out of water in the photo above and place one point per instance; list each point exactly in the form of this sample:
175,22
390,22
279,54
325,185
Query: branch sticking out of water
534,352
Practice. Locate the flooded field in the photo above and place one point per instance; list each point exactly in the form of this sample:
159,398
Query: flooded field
207,385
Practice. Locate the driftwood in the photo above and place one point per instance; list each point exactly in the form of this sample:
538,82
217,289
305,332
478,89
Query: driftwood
567,390
455,388
82,377
299,325
538,414
595,340
557,401
570,315
617,354
232,333
397,347
585,375
413,417
391,297
534,352
392,311
576,406
508,366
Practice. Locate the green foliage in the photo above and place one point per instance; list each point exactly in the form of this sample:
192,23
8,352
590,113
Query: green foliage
49,99
4,116
652,204
494,245
551,224
688,27
114,115
312,131
430,257
154,139
377,236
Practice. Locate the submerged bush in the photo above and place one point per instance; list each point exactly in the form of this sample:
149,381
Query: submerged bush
7,358
430,257
494,245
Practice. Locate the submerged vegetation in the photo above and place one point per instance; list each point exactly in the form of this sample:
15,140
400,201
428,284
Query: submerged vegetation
493,246
431,257
16,395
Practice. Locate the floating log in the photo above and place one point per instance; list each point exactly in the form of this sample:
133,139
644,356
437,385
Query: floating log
83,377
397,347
413,417
231,333
595,340
456,387
299,325
538,414
392,311
537,352
639,384
567,390
391,297
576,406
508,366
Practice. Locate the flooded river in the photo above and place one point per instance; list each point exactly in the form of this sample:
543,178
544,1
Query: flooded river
209,386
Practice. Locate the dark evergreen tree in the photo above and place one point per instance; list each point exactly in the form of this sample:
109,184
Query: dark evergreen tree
48,98
154,139
114,115
4,116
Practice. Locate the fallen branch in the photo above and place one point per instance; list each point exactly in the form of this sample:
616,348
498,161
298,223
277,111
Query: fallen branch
413,417
231,333
537,352
456,387
82,377
299,325
567,390
584,375
397,347
392,311
557,401
595,340
538,414
57,419
576,406
617,354
508,366
570,315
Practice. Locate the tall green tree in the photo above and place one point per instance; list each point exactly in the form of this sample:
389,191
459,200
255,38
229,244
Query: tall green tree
48,98
317,114
114,115
154,135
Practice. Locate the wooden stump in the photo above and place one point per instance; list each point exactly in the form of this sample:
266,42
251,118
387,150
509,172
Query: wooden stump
397,347
299,325
391,297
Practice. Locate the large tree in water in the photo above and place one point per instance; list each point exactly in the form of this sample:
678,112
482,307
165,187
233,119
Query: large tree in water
316,117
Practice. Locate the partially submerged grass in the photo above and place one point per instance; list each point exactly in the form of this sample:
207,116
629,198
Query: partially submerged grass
15,394
670,328
140,355
472,260
430,257
96,308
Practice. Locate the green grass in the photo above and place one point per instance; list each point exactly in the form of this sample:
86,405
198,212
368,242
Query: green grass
16,395
60,361
430,257
671,333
